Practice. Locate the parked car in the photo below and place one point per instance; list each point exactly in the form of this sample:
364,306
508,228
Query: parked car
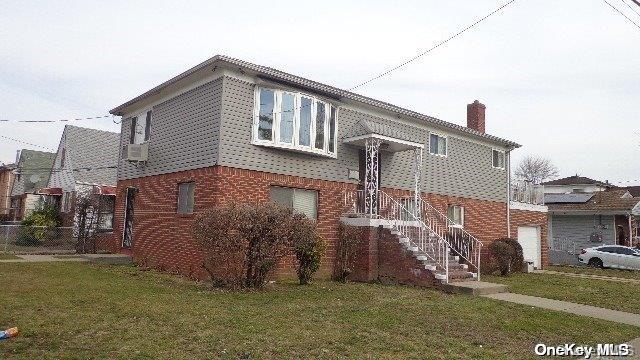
611,256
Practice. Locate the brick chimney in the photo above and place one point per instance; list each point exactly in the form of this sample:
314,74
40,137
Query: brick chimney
475,116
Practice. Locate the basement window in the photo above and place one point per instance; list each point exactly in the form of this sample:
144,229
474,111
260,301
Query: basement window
186,193
438,145
302,201
294,121
456,214
497,159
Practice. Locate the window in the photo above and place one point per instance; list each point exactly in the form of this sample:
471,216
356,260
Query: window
302,201
438,145
140,128
62,157
66,200
186,197
456,214
295,121
498,159
105,216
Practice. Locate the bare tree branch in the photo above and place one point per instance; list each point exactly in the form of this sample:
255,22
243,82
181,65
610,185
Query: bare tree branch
536,169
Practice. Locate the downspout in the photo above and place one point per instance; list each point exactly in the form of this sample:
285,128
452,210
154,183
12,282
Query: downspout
508,159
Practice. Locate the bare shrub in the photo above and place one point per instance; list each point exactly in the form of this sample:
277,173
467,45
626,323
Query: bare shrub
348,237
307,245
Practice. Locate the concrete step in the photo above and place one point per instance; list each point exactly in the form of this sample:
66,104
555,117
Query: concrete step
474,287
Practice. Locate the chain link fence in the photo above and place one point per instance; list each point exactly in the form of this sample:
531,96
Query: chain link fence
21,239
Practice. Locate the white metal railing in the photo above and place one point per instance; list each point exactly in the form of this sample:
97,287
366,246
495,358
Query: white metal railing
461,242
527,192
432,233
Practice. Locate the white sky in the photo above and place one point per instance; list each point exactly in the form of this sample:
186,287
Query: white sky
560,77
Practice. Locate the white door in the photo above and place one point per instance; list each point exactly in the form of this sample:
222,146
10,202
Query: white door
529,239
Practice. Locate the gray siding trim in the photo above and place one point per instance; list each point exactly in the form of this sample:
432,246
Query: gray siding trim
578,229
467,171
185,134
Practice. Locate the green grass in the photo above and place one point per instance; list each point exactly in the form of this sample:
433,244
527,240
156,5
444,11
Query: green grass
6,256
627,274
72,310
607,294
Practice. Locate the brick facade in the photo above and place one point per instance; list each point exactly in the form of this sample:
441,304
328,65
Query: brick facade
162,238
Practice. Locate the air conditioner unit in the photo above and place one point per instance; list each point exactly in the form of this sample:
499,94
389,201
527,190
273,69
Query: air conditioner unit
137,152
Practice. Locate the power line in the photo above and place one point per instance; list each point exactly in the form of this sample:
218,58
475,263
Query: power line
630,7
27,143
433,48
621,13
59,120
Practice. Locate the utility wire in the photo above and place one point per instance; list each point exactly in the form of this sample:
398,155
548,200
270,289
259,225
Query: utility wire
630,7
433,48
59,120
27,143
621,13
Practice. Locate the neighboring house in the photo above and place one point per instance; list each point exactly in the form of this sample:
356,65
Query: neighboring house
575,184
582,220
32,174
228,130
7,177
85,170
633,190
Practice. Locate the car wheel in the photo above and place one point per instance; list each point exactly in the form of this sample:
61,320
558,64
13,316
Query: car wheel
595,262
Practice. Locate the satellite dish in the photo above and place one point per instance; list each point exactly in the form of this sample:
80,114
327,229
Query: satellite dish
34,178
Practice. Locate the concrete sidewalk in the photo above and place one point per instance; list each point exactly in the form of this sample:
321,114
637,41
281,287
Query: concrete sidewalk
108,259
572,308
588,276
43,258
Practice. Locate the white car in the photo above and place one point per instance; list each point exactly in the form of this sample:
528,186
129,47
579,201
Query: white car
611,256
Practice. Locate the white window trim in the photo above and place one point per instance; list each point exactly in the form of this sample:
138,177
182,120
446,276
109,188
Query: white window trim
277,117
504,159
142,114
446,144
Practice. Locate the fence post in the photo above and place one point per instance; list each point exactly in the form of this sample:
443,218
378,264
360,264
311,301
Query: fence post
6,237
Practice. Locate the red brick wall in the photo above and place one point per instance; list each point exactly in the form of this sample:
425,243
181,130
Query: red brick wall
162,238
532,218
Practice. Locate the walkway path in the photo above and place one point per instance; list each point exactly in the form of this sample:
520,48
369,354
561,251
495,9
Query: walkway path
588,276
572,308
43,258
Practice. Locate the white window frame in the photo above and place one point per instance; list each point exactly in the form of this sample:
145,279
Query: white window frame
141,115
277,119
446,144
504,159
454,215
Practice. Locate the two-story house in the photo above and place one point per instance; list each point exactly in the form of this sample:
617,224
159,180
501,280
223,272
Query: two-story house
228,130
32,174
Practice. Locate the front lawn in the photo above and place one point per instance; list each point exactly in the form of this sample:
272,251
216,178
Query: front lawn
607,294
75,310
627,274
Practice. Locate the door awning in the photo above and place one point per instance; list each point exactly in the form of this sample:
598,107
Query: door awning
391,139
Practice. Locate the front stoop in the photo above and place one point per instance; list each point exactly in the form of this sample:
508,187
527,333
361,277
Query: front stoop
474,288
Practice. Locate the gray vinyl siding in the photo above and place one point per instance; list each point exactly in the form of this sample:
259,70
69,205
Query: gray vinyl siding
184,134
578,229
62,176
467,170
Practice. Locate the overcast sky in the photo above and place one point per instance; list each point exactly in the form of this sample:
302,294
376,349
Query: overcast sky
562,78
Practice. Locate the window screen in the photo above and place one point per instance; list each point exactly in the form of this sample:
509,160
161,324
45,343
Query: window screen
302,201
186,197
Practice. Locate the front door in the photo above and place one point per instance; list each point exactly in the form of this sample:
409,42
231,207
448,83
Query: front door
127,233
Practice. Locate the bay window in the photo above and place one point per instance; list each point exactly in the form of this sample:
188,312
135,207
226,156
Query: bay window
295,121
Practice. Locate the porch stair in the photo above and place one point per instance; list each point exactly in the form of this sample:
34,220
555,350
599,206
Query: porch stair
457,272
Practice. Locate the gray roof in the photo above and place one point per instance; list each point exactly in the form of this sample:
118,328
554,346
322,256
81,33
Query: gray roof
277,75
33,170
93,154
567,198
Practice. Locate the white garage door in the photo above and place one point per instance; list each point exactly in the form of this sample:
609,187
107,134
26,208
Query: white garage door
529,239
